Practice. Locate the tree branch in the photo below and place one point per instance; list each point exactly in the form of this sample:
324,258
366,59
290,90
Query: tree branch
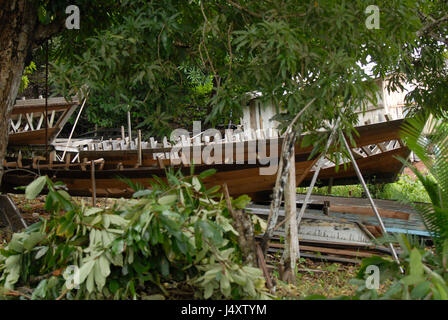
46,31
428,29
240,7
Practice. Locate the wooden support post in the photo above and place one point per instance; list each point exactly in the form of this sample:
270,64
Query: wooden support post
122,133
262,265
92,177
67,161
139,147
289,258
160,162
51,159
129,127
330,185
19,160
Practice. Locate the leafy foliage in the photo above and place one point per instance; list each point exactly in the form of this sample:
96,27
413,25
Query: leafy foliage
426,271
290,52
425,277
176,235
423,63
405,189
432,148
28,71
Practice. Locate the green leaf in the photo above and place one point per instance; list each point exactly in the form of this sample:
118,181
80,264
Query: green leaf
196,184
33,239
92,211
35,187
164,266
241,202
114,286
16,243
40,291
41,252
142,193
421,290
415,264
85,270
167,200
207,173
104,266
211,231
100,279
90,282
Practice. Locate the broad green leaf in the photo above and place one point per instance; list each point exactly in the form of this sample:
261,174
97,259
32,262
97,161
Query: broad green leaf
104,266
207,173
35,187
33,239
92,211
16,242
100,279
421,290
85,270
142,193
167,200
40,291
415,264
196,184
41,252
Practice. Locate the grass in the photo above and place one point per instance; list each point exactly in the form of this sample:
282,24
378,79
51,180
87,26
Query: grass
319,278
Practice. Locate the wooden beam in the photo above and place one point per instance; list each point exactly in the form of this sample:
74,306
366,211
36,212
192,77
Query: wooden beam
367,211
92,177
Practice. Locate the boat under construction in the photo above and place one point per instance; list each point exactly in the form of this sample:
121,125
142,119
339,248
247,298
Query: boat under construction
244,159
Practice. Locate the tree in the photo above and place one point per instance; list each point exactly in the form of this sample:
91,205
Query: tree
140,55
26,25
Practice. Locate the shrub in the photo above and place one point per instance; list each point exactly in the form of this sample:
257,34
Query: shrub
176,235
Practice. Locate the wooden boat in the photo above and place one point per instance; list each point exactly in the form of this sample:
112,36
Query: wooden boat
241,168
27,126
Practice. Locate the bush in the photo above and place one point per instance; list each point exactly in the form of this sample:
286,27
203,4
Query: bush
178,235
405,188
425,275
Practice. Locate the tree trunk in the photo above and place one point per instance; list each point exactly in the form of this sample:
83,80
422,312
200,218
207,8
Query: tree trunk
18,20
289,258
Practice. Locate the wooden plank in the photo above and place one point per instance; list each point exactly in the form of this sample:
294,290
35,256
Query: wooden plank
38,105
328,250
36,137
10,214
92,173
369,212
